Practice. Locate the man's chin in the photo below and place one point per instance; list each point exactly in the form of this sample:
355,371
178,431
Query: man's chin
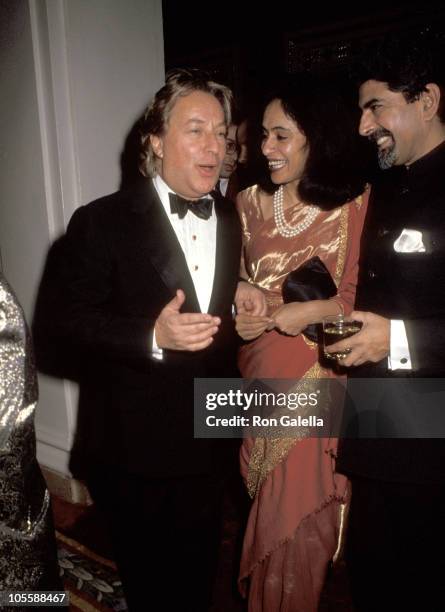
226,173
387,158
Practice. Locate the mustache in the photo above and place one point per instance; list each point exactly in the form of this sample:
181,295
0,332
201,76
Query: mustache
379,134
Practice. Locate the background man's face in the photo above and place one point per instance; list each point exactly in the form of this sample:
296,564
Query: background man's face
231,156
192,148
393,124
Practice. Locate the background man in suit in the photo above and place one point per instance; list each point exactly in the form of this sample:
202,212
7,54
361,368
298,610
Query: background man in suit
140,290
228,182
398,485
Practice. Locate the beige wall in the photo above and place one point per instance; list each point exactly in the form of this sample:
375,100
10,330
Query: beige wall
74,75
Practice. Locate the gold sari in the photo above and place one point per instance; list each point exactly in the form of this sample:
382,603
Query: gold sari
298,501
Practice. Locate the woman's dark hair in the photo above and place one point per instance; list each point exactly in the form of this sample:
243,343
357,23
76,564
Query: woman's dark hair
334,172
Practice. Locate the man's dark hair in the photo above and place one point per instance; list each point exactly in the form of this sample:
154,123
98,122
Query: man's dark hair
333,173
179,82
407,63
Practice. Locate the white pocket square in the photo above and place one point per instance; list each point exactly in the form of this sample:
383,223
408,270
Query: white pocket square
409,241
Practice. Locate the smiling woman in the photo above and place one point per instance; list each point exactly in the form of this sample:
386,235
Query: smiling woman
284,145
310,206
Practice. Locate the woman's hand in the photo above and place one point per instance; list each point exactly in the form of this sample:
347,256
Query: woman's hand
251,326
249,299
292,318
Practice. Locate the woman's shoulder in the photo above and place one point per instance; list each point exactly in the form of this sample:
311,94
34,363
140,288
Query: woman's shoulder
356,211
359,204
249,200
250,194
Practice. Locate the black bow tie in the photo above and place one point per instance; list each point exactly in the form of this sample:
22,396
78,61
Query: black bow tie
201,208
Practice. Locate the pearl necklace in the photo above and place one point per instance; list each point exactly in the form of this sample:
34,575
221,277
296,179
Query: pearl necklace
284,228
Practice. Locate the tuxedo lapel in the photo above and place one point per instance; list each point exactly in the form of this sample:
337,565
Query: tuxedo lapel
233,188
158,242
225,255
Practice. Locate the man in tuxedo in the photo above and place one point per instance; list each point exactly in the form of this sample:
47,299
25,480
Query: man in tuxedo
396,529
140,292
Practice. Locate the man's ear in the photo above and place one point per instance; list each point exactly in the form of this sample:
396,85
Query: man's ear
157,145
430,99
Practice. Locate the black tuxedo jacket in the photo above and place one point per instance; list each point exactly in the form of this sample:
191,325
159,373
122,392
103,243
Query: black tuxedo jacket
411,287
105,284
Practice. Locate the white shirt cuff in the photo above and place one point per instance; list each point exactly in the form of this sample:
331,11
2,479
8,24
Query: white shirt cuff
156,352
399,357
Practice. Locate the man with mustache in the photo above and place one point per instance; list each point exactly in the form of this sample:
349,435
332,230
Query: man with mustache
396,527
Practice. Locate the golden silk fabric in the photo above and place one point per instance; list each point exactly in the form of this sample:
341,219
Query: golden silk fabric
269,257
293,526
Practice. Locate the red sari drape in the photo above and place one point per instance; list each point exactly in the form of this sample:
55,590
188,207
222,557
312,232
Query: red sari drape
298,501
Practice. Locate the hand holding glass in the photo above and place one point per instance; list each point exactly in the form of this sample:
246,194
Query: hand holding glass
336,328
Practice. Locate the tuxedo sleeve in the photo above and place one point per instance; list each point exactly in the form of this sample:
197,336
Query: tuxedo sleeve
77,307
426,340
425,324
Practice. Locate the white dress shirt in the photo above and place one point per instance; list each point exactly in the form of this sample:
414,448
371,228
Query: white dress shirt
399,357
223,184
197,238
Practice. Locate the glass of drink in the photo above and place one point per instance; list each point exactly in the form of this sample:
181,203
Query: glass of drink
336,328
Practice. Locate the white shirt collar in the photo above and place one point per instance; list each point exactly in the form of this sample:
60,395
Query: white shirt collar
163,190
223,184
